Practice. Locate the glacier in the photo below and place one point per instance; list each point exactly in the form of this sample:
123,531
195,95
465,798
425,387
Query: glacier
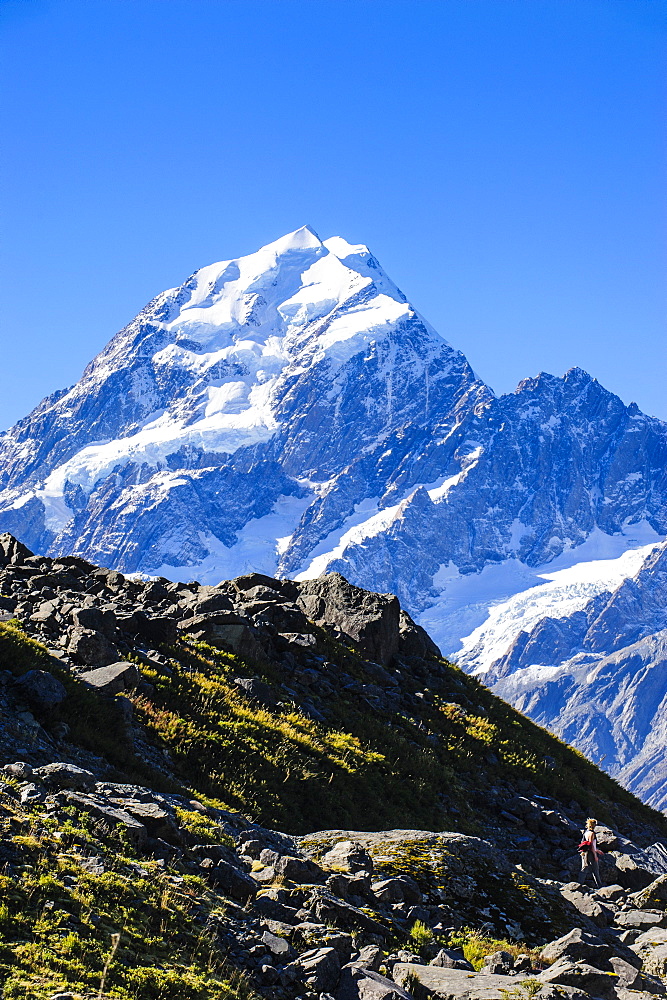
290,412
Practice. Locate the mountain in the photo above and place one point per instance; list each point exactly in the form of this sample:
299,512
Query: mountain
291,413
598,676
279,789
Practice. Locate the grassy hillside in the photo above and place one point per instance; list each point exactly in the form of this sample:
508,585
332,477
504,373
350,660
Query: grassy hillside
430,766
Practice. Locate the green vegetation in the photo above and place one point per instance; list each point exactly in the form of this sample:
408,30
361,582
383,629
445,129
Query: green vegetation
476,945
94,724
134,930
363,769
421,934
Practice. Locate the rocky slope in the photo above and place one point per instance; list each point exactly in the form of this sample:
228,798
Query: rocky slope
155,738
290,412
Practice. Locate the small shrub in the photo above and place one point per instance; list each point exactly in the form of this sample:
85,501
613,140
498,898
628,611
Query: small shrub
421,934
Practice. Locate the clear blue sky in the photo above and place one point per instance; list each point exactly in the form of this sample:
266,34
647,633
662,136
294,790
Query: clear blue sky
504,159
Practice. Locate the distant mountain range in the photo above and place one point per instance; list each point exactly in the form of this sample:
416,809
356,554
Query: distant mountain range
291,413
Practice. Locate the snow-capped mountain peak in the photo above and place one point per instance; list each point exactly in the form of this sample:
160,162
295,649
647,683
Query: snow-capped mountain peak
290,412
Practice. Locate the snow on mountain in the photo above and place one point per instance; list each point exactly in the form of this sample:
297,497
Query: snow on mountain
597,674
207,412
291,412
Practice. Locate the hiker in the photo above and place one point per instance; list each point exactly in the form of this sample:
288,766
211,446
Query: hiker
588,848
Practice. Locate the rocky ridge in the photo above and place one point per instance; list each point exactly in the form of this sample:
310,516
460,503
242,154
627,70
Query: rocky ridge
111,804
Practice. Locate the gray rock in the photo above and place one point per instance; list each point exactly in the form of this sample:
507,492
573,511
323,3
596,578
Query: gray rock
94,619
500,963
19,769
134,830
366,984
278,946
112,679
649,938
328,909
613,893
370,620
629,874
578,945
12,552
587,905
256,690
62,775
40,689
629,977
397,890
297,870
448,958
641,920
347,856
655,961
319,968
31,794
579,975
652,895
451,984
370,957
159,822
232,881
91,648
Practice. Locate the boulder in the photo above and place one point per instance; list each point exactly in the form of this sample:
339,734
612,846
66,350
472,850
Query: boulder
45,613
629,978
273,909
91,648
159,822
579,975
278,946
586,904
112,679
577,945
111,817
297,870
94,619
448,958
450,984
500,963
413,640
607,838
613,893
397,890
629,874
649,938
328,909
256,690
30,794
370,957
19,769
370,620
12,551
319,968
653,895
367,984
40,689
62,775
347,856
232,881
641,920
655,960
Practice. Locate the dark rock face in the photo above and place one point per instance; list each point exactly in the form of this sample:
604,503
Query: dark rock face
41,689
370,620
